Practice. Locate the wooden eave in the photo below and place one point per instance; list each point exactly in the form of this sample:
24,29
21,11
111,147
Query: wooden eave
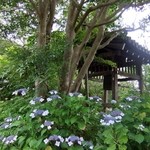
124,52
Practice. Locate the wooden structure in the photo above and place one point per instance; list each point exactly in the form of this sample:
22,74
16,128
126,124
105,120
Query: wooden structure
129,57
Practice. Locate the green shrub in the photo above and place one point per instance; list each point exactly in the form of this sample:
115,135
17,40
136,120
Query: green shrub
73,123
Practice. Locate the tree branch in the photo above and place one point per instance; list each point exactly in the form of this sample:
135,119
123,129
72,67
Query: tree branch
89,10
79,8
111,18
109,40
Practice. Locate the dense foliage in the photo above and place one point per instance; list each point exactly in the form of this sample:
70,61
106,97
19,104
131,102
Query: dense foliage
73,122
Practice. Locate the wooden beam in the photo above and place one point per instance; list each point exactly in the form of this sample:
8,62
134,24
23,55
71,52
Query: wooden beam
136,77
109,54
99,73
126,79
117,46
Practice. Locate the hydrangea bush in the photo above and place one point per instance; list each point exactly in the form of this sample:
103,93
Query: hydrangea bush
73,123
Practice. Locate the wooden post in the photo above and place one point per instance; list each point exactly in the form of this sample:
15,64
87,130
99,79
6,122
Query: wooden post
114,84
139,72
105,97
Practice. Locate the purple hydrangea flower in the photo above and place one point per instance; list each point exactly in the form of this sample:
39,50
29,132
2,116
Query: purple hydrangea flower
74,140
35,100
10,139
57,139
77,94
5,125
114,117
53,97
116,113
113,102
96,98
39,112
107,120
53,92
124,106
22,92
128,99
47,124
8,119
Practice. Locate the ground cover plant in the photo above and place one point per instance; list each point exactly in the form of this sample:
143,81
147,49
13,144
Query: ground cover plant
73,123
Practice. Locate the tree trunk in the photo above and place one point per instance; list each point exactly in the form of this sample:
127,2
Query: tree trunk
45,12
68,54
89,59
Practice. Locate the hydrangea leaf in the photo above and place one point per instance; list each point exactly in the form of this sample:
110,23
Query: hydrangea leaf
112,147
73,120
81,125
48,148
139,138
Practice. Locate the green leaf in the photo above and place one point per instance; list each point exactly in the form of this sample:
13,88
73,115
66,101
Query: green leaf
123,139
139,138
67,121
15,124
73,120
21,139
122,147
48,148
43,131
33,143
81,125
112,147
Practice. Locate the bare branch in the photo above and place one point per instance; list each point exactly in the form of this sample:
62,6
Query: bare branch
104,4
78,10
35,7
109,40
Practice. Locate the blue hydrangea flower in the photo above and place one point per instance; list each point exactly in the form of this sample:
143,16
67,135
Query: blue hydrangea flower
129,99
117,114
57,139
22,92
39,113
107,120
113,102
5,125
111,118
8,119
53,92
53,97
96,98
77,94
47,124
124,106
35,100
10,139
74,140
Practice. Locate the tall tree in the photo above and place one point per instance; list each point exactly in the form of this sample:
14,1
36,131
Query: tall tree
93,17
86,22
